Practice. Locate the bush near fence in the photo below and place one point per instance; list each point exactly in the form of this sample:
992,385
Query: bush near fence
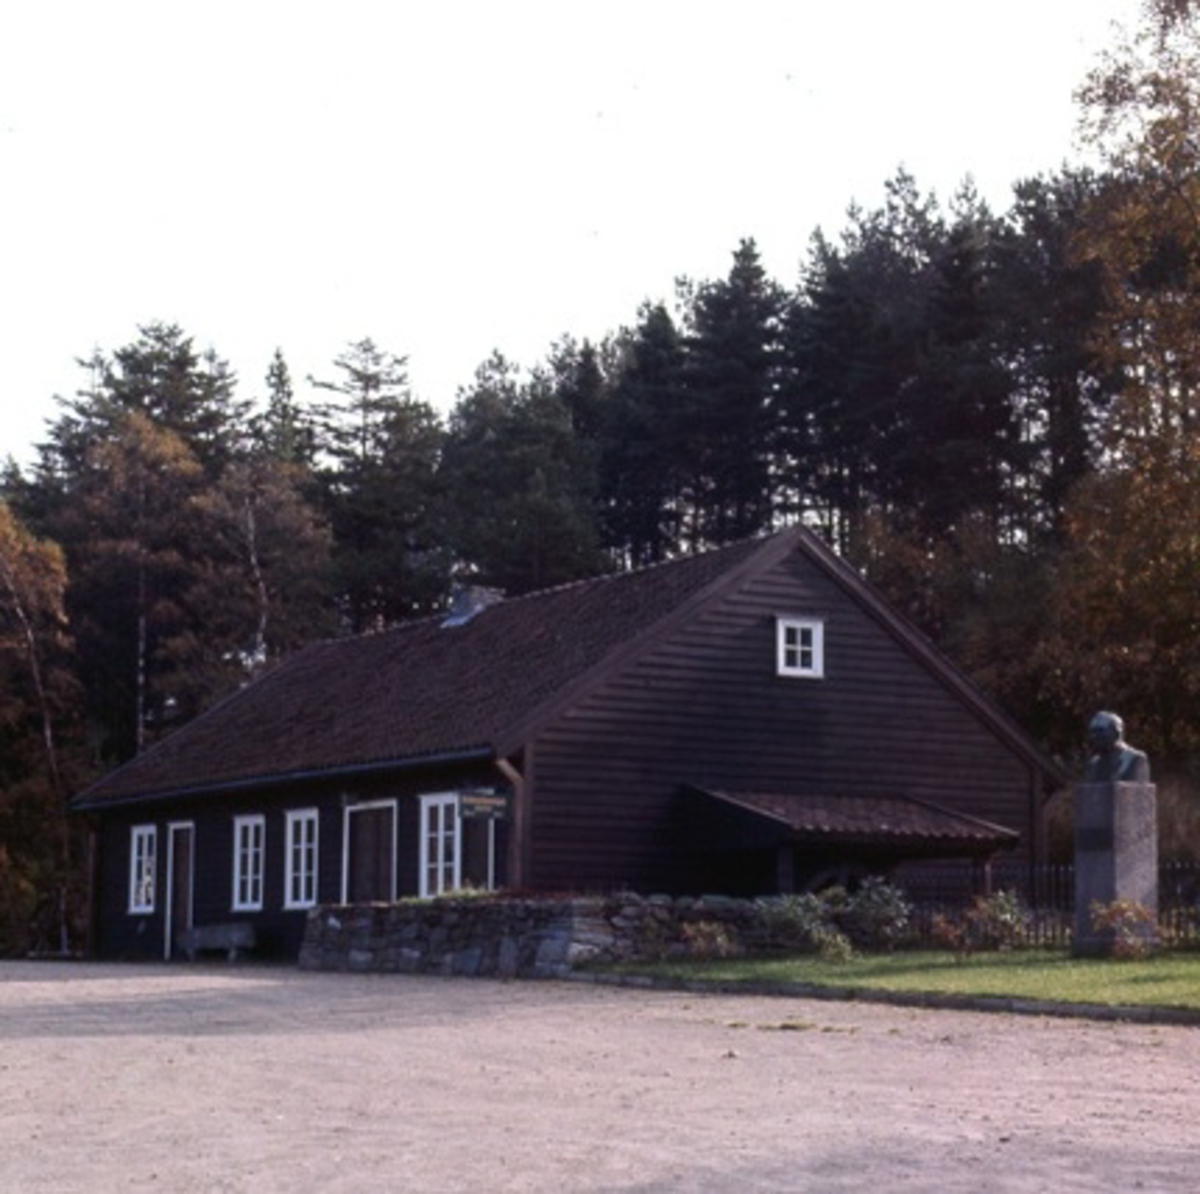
509,935
1048,895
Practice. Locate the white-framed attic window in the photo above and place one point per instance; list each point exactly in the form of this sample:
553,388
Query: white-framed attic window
799,647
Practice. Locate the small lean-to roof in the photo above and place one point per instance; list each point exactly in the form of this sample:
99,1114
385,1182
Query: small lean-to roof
419,691
893,821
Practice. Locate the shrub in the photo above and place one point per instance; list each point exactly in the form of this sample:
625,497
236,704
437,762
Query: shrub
876,916
1131,924
998,921
951,933
790,921
805,922
833,945
710,939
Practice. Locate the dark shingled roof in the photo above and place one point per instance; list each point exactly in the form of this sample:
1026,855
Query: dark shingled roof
870,820
418,690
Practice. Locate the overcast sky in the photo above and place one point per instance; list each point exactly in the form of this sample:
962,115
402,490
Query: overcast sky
448,178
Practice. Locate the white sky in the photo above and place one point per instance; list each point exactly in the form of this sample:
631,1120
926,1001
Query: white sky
448,178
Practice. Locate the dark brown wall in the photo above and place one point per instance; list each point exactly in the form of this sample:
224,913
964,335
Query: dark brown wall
706,708
279,931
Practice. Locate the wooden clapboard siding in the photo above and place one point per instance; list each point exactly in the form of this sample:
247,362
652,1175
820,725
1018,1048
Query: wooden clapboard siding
279,930
704,707
600,701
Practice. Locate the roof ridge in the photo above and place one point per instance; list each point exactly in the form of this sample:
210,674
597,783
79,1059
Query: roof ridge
642,569
532,594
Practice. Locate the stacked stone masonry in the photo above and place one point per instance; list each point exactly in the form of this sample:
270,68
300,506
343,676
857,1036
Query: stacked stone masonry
517,938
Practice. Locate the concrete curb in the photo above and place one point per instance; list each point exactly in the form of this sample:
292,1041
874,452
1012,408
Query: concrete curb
1115,1013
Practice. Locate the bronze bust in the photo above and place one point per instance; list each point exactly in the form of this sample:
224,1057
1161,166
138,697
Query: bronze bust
1113,760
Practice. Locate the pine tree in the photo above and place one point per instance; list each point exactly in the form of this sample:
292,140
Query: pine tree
380,492
284,432
517,484
733,345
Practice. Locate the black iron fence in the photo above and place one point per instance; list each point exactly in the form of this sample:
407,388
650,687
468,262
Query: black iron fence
1048,894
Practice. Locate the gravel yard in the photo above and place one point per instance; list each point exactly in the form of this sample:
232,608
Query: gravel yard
238,1078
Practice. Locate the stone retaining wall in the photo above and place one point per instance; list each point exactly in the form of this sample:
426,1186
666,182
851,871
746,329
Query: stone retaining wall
512,937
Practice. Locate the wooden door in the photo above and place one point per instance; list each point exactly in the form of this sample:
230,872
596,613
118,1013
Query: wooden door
370,868
180,870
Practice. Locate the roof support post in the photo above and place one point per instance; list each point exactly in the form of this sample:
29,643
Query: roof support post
519,827
785,869
983,876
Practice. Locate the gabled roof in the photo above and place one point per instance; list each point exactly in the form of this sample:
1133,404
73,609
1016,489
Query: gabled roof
420,690
424,691
893,821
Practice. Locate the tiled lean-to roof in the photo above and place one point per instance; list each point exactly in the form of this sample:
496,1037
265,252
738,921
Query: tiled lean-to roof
867,820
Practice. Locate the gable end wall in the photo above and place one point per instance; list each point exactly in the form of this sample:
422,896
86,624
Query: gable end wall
704,707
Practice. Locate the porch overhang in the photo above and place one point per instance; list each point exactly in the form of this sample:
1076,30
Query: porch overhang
896,825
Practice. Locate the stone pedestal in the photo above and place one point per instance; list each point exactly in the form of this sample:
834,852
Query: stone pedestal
1116,857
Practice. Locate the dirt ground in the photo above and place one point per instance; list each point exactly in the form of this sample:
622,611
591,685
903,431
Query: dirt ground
229,1079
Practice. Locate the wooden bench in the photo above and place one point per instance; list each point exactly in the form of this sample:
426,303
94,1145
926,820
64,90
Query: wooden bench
232,938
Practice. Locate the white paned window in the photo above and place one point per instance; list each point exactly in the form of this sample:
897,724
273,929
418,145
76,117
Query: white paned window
800,647
439,844
300,867
456,851
143,849
249,838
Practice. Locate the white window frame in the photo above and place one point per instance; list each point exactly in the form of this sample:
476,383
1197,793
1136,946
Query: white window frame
143,869
450,801
249,861
348,811
302,843
800,647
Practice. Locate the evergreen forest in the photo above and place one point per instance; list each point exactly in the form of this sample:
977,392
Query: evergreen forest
993,415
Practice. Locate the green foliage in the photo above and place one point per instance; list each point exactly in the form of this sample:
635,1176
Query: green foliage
639,472
875,916
834,922
38,699
730,375
1054,976
710,939
161,378
796,921
996,922
284,433
518,484
381,492
1132,925
1123,629
806,923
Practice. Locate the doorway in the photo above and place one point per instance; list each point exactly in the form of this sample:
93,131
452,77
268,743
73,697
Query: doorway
369,853
181,850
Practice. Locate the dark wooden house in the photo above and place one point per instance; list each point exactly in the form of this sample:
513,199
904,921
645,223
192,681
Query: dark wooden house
746,720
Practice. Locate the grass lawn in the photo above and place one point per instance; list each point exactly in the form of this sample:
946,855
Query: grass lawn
1170,980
